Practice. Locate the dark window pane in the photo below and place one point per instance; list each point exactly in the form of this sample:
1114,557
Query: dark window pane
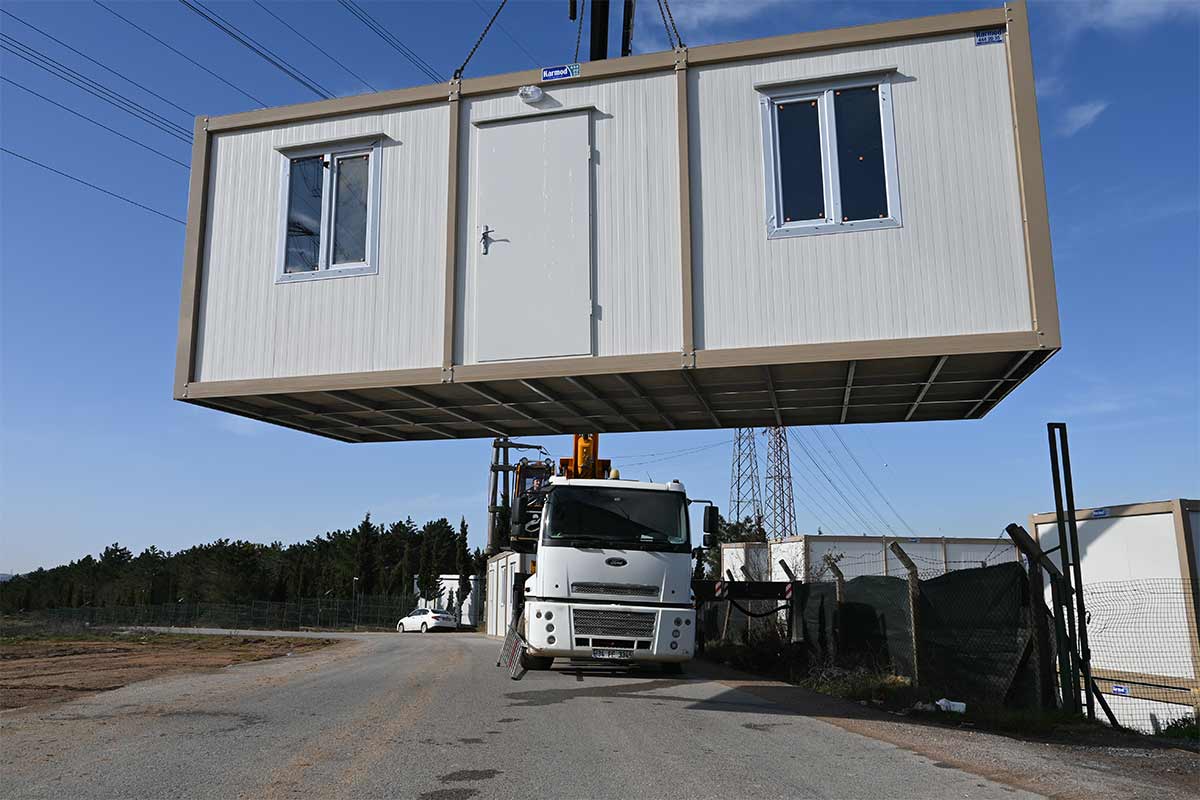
802,188
302,251
860,153
350,211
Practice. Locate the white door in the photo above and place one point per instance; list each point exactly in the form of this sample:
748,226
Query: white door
533,283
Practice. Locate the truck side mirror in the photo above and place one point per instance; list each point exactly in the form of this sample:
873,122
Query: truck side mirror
708,542
712,519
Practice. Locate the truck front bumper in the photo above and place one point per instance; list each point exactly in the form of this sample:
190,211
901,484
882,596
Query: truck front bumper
577,630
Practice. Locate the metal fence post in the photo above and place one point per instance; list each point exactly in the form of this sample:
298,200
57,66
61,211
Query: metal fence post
914,595
840,597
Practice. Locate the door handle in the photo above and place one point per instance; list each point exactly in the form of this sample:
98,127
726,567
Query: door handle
485,239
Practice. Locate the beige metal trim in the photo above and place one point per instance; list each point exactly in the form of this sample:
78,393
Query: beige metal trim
1187,567
349,382
1182,685
1031,176
452,157
685,208
193,256
630,65
767,86
1128,510
545,112
1015,341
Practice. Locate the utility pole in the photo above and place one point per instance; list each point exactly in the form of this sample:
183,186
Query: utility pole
599,31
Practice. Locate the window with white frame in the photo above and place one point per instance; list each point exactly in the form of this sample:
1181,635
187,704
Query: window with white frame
329,211
830,157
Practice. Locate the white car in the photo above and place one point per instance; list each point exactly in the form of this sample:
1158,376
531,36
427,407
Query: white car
424,619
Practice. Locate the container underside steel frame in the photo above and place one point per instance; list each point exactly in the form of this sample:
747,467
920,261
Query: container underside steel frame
568,395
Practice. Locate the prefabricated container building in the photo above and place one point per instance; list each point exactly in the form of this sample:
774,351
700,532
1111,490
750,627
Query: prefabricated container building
843,226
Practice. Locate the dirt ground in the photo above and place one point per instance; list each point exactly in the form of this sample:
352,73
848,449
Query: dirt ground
39,671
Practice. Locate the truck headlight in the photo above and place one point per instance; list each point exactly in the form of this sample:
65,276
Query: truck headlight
675,633
552,640
549,615
674,645
549,629
678,621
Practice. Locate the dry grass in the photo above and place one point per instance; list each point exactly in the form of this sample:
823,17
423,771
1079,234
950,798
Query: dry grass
48,668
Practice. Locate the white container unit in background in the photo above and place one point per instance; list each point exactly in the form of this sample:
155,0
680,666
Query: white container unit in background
831,227
501,569
861,555
1139,570
469,609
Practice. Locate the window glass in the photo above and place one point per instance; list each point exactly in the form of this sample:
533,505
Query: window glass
860,153
305,188
350,211
800,177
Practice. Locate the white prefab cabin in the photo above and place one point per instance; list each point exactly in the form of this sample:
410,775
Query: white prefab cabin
835,227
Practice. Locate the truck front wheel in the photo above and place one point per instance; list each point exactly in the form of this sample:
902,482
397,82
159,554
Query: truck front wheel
536,663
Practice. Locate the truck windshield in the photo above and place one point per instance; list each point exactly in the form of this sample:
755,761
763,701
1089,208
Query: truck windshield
622,518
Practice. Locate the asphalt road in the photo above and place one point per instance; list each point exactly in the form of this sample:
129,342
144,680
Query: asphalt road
431,717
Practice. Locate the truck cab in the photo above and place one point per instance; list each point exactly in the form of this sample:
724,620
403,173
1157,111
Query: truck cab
613,572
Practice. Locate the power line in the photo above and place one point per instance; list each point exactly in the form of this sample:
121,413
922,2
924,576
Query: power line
876,488
259,50
832,464
532,58
397,45
850,506
104,67
92,186
141,144
63,72
821,499
181,54
853,483
317,47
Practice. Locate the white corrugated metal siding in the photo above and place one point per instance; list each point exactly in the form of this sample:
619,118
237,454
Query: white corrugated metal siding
957,266
249,327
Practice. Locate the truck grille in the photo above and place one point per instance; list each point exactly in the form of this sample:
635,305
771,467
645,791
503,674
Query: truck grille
589,622
627,589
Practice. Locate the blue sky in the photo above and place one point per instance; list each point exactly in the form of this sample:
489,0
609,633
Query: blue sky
94,450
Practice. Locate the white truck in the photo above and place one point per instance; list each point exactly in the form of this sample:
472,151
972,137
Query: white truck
612,575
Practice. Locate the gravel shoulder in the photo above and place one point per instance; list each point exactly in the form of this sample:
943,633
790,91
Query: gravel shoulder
1083,764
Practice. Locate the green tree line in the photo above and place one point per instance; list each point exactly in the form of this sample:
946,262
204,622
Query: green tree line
386,560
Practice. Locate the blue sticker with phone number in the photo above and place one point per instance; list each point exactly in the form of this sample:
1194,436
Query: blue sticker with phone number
991,36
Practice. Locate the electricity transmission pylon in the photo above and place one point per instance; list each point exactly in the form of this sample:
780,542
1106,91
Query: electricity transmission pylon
745,494
780,517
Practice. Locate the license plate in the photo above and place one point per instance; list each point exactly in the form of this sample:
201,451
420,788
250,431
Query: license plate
612,655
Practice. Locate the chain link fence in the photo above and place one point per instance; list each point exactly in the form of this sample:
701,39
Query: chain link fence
368,612
1146,653
967,635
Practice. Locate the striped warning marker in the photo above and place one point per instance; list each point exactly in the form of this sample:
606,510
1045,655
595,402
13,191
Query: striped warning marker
722,589
787,592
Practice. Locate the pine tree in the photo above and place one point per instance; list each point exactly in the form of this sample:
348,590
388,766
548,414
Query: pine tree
463,566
